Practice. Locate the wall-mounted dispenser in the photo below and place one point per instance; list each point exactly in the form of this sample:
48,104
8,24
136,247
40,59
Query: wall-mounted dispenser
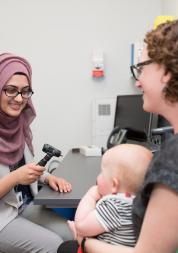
98,64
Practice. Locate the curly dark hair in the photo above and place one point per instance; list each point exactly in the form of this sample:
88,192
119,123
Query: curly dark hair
162,46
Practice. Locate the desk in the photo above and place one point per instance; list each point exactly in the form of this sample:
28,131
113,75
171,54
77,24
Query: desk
80,171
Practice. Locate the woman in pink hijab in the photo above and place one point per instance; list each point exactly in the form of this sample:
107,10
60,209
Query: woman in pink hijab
20,230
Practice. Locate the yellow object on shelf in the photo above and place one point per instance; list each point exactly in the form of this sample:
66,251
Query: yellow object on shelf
162,19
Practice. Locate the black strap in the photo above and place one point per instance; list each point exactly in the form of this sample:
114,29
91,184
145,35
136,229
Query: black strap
68,247
83,245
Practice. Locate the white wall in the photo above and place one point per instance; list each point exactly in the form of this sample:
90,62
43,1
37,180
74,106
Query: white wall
58,37
170,7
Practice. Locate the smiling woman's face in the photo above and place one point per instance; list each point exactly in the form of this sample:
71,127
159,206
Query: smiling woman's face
152,81
13,106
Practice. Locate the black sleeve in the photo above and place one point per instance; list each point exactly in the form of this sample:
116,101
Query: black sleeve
68,247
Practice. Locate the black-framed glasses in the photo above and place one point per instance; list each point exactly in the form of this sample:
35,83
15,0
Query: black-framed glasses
12,91
137,69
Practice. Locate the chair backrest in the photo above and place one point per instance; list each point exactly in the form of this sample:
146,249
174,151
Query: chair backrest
162,132
129,135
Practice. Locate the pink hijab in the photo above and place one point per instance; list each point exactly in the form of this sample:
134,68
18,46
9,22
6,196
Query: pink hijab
15,132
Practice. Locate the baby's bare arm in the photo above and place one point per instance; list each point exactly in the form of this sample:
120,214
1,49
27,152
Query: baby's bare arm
86,222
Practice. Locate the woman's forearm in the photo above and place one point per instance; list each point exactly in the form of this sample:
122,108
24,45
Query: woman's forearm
7,183
96,246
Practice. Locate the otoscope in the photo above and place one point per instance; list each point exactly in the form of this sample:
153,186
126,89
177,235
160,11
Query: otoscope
50,152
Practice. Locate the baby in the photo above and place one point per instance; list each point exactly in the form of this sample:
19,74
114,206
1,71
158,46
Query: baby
105,211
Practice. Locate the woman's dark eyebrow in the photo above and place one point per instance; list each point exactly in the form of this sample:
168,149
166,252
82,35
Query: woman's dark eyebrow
14,86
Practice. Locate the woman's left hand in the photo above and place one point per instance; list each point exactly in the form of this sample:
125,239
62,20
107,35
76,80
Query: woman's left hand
58,183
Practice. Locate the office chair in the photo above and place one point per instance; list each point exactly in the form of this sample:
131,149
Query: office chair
129,135
122,135
162,133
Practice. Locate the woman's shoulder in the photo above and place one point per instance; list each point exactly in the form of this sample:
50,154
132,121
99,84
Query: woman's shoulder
170,143
167,155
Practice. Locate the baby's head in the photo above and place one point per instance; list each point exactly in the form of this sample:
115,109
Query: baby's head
123,169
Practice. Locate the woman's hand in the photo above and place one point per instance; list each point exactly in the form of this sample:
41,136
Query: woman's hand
28,173
58,184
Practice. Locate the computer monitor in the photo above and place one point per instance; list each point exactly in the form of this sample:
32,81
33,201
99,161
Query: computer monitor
129,113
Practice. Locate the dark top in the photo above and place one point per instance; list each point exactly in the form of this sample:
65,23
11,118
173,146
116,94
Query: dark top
163,169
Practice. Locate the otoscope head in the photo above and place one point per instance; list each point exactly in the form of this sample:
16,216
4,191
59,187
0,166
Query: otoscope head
51,150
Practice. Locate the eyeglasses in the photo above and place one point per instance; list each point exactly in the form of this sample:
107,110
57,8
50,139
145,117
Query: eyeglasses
11,91
137,69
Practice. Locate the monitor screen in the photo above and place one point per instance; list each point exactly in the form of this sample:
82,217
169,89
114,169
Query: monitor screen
129,113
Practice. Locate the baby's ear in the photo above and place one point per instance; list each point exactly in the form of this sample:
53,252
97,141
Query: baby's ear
115,185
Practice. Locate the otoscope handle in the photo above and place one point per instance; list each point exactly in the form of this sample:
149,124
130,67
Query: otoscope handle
45,159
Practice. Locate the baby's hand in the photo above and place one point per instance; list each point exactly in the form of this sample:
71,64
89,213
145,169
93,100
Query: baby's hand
94,193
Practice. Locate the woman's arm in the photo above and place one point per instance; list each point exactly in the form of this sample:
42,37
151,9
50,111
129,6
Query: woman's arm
159,231
6,184
96,246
